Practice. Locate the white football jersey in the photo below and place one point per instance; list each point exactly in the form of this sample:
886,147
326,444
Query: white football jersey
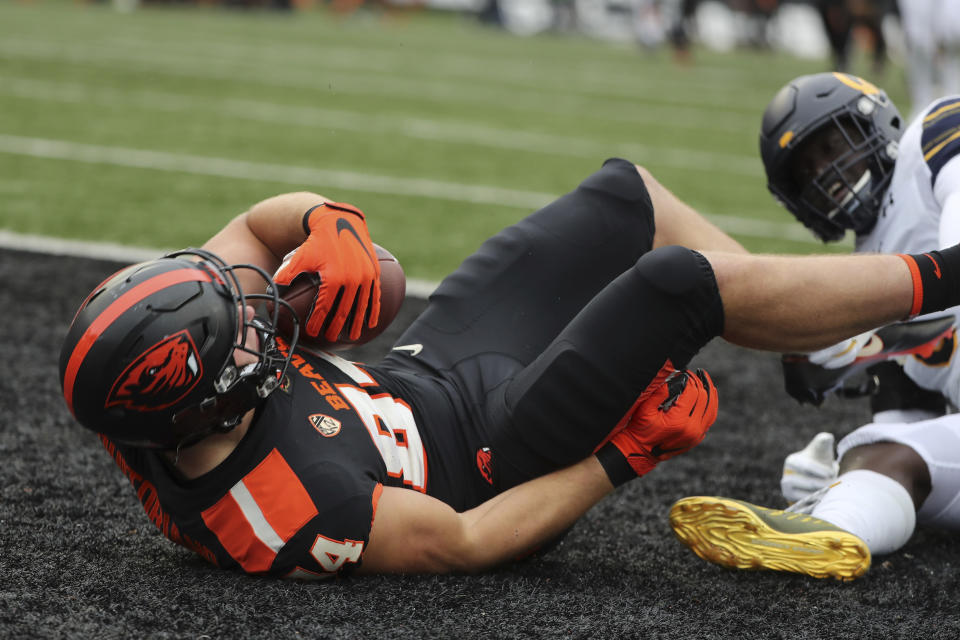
921,212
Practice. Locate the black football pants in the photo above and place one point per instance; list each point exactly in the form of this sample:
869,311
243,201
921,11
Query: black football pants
545,337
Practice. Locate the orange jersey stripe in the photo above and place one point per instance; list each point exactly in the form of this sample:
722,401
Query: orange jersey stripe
261,513
236,534
281,496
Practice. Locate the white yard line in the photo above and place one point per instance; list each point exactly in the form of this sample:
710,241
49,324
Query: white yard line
417,128
272,172
363,182
709,111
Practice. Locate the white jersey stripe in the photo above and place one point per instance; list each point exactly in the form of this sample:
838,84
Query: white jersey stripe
356,374
253,514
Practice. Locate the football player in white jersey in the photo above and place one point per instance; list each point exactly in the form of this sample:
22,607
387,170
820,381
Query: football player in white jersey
839,157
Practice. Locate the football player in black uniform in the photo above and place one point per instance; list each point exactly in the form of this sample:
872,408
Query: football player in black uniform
547,369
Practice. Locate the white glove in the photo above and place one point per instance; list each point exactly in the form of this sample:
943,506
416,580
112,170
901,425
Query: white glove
841,354
810,469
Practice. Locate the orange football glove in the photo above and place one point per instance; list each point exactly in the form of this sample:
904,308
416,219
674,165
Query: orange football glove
339,249
671,420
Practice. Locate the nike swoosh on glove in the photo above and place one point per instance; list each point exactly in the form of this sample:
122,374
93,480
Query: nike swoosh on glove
338,248
671,420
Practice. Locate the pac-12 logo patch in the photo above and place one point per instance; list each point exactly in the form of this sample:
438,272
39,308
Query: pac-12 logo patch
325,425
159,377
484,464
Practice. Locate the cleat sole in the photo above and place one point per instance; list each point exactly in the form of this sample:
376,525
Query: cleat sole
731,534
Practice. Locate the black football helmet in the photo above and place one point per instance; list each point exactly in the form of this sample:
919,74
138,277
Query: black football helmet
148,359
847,192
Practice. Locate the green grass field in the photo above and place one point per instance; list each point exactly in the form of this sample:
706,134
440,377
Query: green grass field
152,128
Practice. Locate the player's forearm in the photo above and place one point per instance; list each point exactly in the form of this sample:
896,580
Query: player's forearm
263,235
277,222
518,521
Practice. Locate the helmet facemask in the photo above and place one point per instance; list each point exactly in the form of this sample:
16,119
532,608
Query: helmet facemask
845,192
240,387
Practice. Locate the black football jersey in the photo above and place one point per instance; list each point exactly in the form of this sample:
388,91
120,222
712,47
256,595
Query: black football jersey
298,495
525,359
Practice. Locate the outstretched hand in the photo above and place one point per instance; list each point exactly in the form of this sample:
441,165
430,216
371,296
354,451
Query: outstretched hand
339,249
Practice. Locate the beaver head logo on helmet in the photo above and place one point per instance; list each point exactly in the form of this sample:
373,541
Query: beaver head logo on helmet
160,377
148,359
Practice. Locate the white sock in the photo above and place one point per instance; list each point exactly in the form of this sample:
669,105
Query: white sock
874,507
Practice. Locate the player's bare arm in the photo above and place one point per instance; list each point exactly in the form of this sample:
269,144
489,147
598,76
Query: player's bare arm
414,533
302,232
678,223
265,233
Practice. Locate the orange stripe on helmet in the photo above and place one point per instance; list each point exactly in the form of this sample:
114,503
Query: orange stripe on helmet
114,311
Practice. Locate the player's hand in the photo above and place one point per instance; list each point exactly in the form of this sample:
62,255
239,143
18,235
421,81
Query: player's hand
841,354
809,378
810,469
672,419
339,249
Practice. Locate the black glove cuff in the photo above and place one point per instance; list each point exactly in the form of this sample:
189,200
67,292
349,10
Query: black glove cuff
306,218
615,464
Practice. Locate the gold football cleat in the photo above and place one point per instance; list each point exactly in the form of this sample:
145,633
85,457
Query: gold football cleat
741,535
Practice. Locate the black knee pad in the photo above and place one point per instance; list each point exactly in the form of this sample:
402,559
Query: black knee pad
678,271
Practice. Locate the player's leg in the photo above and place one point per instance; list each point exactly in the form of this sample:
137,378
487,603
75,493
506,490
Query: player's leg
896,398
674,301
892,476
562,406
803,303
506,302
913,465
509,299
678,223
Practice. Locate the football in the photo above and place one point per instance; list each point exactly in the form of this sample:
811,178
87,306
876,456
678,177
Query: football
301,293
